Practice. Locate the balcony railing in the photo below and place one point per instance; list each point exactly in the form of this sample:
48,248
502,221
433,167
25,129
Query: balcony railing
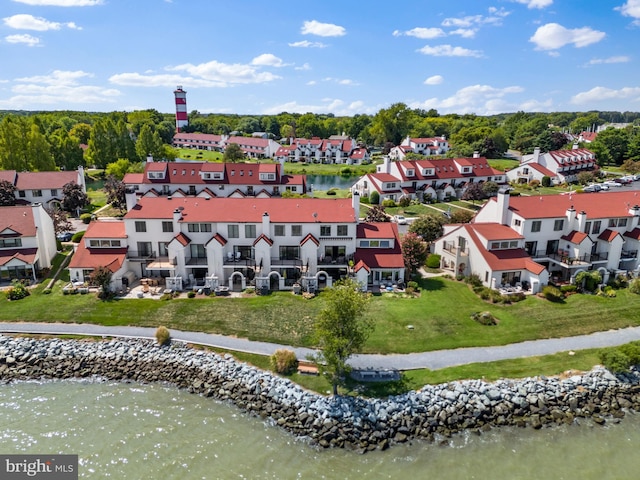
339,260
629,254
140,255
294,262
197,261
454,250
567,259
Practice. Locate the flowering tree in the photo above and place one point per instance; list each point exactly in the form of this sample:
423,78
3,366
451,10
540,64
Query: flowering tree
414,252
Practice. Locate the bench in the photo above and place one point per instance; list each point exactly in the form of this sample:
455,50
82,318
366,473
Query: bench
307,368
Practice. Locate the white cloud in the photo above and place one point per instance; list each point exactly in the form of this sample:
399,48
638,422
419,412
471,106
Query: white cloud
61,3
304,66
328,105
341,81
464,32
28,40
421,32
209,74
311,82
615,59
268,60
598,94
631,8
553,36
535,3
434,80
308,44
24,21
495,18
314,27
449,51
58,88
480,99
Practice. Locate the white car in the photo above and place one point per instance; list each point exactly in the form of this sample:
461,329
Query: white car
611,183
399,219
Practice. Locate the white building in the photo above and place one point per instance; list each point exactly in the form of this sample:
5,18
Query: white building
27,242
536,239
437,179
335,150
421,146
559,165
42,187
253,147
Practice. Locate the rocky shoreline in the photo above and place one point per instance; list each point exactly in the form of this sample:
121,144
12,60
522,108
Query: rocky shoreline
433,412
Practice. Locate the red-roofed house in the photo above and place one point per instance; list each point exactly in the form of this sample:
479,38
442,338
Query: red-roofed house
559,165
339,149
214,179
378,259
565,234
27,241
427,179
253,147
42,187
422,146
104,244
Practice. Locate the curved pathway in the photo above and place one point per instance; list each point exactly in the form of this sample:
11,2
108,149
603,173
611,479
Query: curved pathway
432,360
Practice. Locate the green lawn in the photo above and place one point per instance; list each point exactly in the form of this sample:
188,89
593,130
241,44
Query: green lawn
328,169
440,316
200,155
502,163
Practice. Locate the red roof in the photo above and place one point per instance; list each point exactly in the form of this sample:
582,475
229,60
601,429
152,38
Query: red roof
18,219
608,235
105,229
264,238
379,257
596,205
42,180
246,210
92,258
207,137
133,178
575,237
377,230
182,239
310,238
633,234
8,176
496,231
541,169
25,255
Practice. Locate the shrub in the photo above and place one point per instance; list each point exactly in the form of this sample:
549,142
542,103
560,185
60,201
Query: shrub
17,291
517,297
485,294
546,181
632,351
346,171
566,289
634,286
473,280
331,191
413,285
374,198
163,336
553,294
614,360
85,217
46,291
191,294
433,261
77,237
404,201
365,199
607,292
484,318
534,183
387,202
284,361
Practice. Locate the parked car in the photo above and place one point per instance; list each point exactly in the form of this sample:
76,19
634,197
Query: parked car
611,183
604,187
593,188
399,219
65,236
622,181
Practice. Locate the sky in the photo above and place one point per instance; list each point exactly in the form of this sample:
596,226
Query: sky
342,57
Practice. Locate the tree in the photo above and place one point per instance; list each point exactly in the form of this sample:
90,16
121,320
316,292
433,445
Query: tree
7,194
116,192
429,227
490,188
118,169
376,214
61,222
81,131
149,143
461,216
74,198
414,252
233,153
585,177
341,329
474,192
611,144
630,166
101,277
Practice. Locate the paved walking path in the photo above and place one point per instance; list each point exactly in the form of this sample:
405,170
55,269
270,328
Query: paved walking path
431,360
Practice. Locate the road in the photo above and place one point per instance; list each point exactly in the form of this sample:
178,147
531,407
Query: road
431,360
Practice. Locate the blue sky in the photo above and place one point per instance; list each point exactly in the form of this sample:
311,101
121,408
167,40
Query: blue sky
342,57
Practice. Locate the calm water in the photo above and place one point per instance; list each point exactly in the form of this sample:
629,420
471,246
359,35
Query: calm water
325,182
130,431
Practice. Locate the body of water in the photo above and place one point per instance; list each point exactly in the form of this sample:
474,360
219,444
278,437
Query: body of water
132,431
326,182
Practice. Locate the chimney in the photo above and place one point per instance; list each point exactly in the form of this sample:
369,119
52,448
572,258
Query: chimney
386,165
575,146
571,216
266,224
503,205
635,213
536,155
81,180
476,154
131,198
355,203
149,158
177,216
582,220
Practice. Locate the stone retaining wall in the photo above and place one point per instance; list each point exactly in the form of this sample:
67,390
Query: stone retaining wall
347,422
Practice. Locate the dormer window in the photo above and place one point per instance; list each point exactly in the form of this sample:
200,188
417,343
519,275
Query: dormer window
410,172
427,171
155,175
466,169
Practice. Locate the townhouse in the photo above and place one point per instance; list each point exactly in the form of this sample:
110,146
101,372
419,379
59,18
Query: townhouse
42,187
337,149
559,165
530,241
422,146
214,179
253,147
426,180
27,242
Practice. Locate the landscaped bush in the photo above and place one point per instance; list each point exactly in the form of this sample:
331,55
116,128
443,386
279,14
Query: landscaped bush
77,237
387,202
284,361
331,191
546,181
615,360
568,289
473,280
374,198
85,217
620,281
433,261
404,202
346,171
484,318
17,291
634,286
553,294
163,336
191,294
534,183
413,285
608,291
365,199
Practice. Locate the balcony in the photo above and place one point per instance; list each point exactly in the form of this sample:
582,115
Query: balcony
196,261
341,260
454,250
140,255
628,255
291,262
567,260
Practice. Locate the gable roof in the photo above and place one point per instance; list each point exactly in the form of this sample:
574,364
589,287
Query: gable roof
44,180
92,258
18,219
377,230
8,176
24,255
105,229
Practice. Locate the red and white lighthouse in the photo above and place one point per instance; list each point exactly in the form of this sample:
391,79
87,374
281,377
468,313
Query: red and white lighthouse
181,108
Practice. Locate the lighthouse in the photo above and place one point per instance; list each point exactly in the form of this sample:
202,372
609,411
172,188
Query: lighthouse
181,108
